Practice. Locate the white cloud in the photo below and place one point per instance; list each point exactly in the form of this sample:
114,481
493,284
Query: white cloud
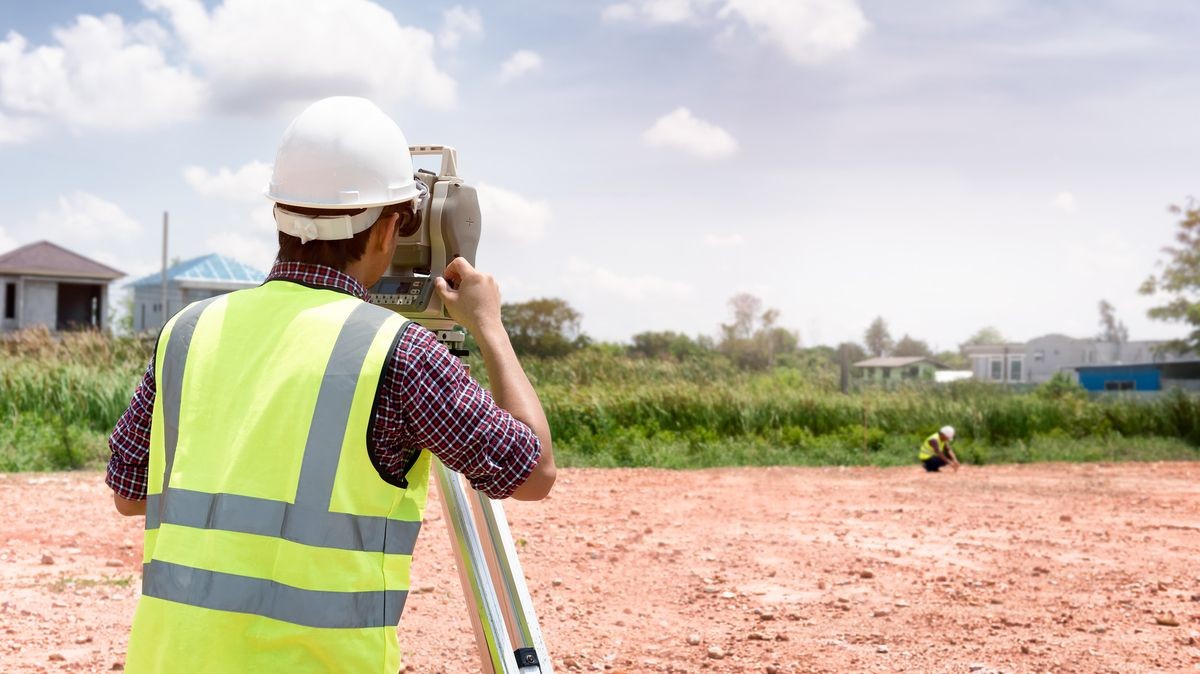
634,288
512,215
459,23
1065,202
243,184
256,250
81,216
100,73
265,53
520,63
263,217
651,11
681,130
723,240
103,73
808,31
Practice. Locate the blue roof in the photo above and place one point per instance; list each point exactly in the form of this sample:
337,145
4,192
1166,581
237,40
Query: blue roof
207,268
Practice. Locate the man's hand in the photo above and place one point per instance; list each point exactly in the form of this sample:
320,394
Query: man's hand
474,299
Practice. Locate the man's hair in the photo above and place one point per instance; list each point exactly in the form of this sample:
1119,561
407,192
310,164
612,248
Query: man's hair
342,252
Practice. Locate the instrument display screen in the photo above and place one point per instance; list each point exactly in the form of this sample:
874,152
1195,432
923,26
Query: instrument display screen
401,286
403,293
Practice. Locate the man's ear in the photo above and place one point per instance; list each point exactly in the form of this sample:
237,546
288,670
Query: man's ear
386,231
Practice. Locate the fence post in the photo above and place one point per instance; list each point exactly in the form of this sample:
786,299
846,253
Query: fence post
865,446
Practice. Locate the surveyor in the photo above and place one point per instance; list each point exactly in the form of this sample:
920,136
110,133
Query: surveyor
276,441
936,451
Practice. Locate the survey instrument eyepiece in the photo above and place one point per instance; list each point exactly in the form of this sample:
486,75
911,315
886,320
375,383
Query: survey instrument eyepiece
447,226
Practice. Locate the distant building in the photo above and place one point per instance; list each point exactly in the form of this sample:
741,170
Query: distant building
1141,376
898,368
45,284
187,282
998,362
1037,360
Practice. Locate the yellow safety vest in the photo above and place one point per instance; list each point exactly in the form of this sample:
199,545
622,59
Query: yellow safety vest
272,544
927,451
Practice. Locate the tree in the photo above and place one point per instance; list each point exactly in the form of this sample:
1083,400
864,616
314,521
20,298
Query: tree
746,308
908,346
877,339
854,352
953,360
753,340
664,345
1114,332
985,335
120,313
1060,385
546,327
1178,284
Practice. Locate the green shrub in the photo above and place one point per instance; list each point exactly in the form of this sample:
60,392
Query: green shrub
60,397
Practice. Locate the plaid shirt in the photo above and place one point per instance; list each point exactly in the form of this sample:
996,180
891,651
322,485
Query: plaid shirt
426,399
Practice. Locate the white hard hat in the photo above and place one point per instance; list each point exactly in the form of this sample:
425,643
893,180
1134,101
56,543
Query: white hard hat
340,153
947,431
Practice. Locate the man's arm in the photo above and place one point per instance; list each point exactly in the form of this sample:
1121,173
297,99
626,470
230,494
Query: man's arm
474,302
127,507
130,445
953,457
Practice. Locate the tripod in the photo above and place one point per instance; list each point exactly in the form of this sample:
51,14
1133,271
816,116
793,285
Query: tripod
498,602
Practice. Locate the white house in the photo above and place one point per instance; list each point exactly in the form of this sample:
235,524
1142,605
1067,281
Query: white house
1038,359
45,284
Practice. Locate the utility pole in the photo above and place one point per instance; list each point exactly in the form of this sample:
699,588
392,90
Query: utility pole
164,271
844,374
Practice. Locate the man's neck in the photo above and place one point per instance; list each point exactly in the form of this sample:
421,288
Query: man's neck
358,272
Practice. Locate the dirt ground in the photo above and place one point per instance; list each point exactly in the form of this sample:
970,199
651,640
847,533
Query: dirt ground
1045,568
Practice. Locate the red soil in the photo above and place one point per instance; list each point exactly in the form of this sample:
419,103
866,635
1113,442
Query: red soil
1060,568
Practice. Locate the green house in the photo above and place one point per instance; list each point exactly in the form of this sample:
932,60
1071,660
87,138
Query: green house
897,369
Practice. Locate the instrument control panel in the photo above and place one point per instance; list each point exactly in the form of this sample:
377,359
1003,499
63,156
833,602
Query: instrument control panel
403,294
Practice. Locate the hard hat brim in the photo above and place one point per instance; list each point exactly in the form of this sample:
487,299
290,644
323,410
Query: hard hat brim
413,192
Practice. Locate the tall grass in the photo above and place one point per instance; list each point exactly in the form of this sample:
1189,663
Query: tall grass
59,398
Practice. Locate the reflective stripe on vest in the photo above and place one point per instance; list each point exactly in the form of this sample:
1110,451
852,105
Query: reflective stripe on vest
927,451
334,556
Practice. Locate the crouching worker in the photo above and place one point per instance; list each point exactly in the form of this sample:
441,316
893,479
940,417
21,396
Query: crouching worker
937,452
277,443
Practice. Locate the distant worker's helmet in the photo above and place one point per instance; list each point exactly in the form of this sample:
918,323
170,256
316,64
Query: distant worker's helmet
947,431
340,153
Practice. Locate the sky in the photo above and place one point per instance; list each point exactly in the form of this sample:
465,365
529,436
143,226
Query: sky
946,166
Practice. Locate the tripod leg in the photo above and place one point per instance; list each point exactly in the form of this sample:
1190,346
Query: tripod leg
515,600
487,619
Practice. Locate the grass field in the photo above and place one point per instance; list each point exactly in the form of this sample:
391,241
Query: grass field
59,398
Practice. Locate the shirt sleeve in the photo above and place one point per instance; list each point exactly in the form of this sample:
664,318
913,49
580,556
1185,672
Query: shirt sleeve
428,400
128,467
